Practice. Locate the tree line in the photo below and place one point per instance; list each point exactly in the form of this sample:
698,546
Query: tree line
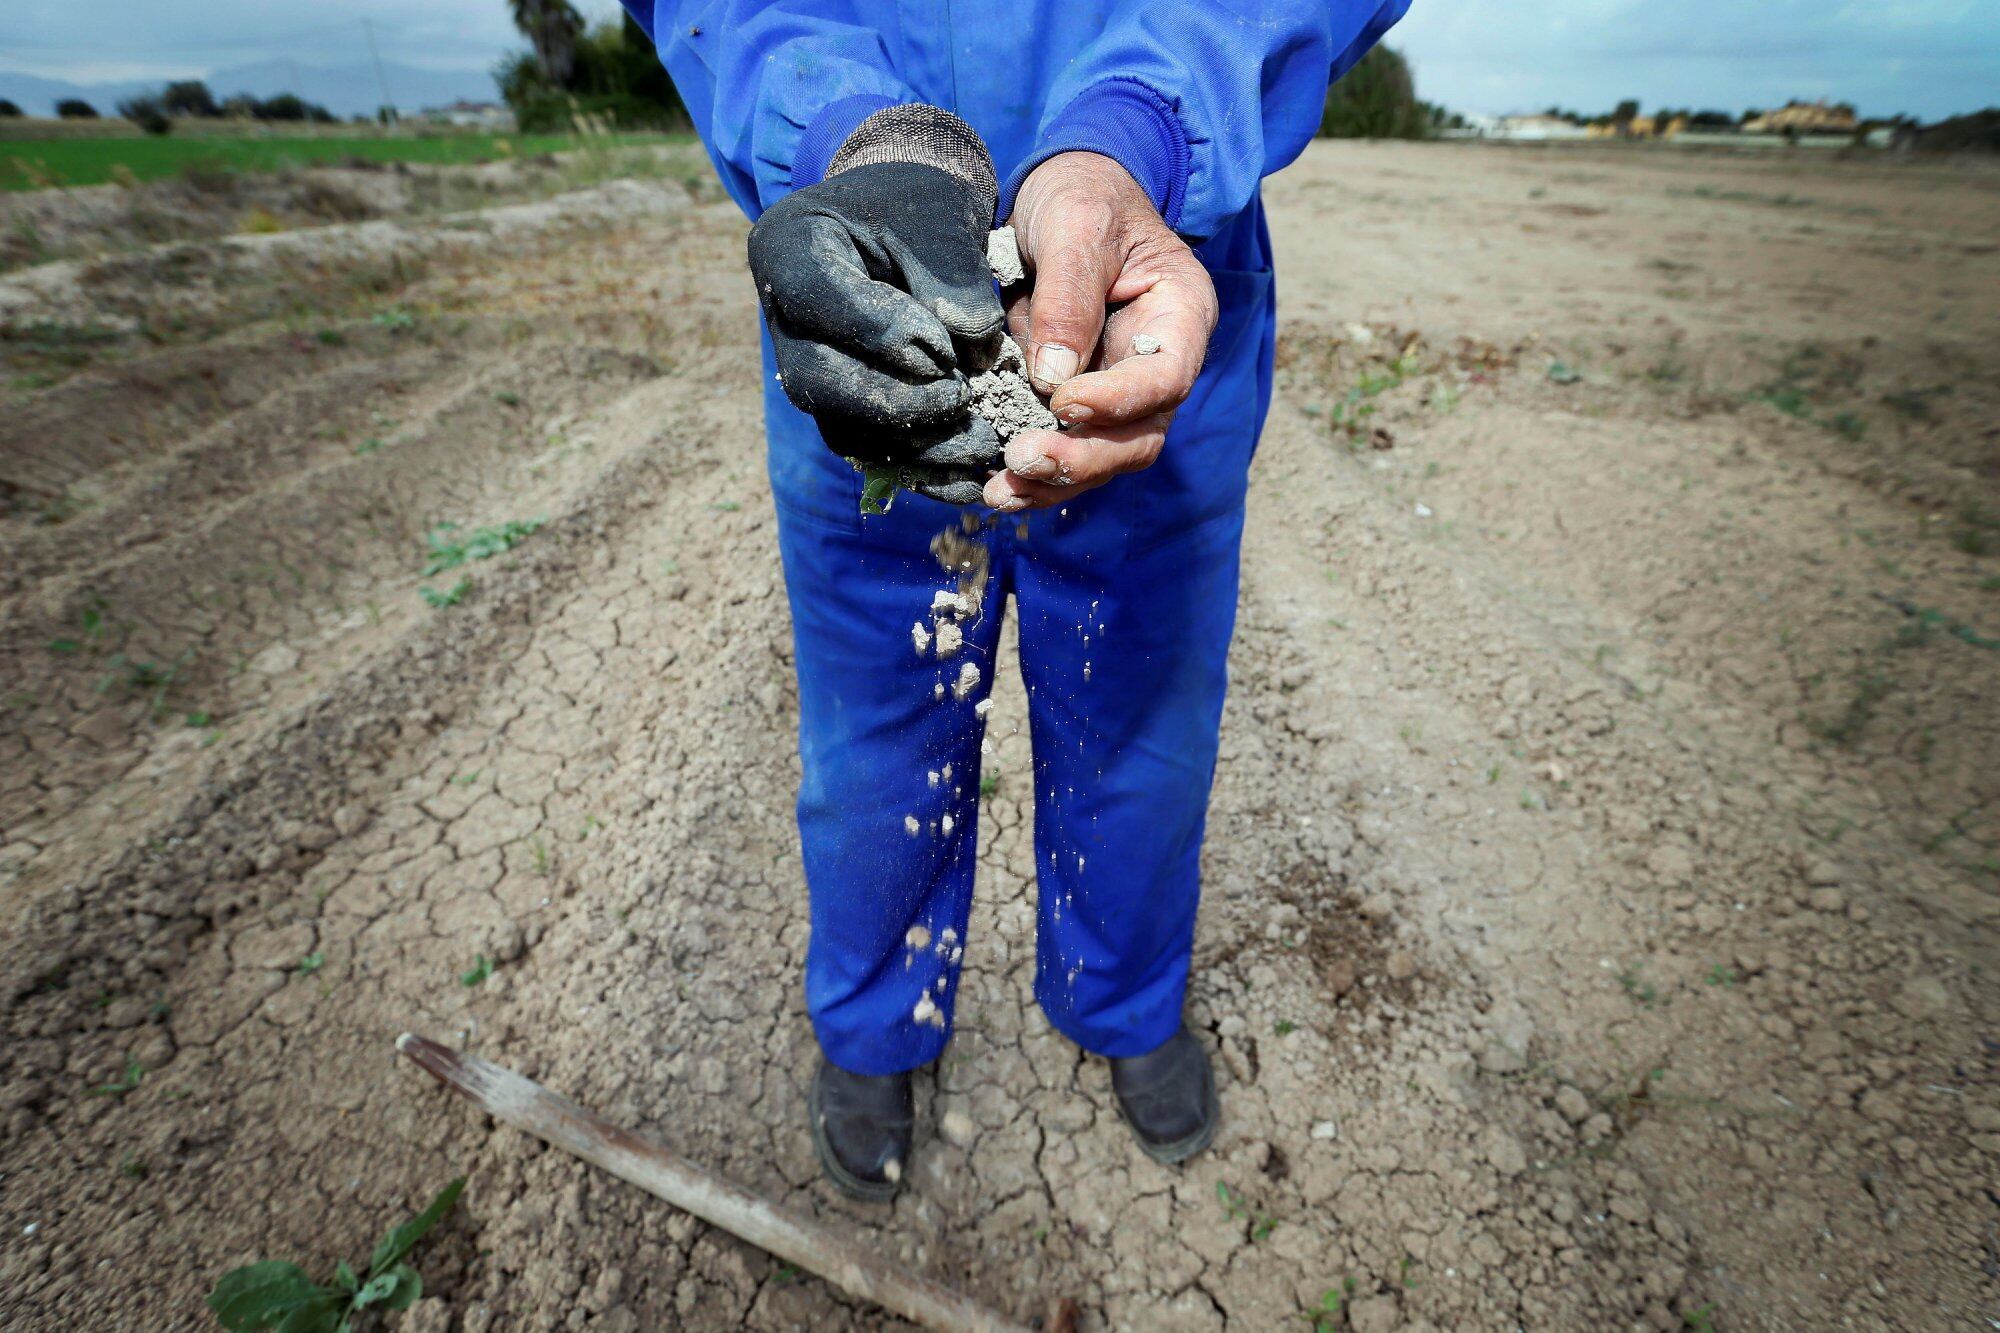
606,71
156,113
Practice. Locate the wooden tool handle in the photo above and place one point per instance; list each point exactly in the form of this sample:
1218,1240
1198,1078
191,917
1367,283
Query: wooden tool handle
526,1105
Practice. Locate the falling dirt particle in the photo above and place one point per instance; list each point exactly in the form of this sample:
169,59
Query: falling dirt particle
911,826
1144,344
947,772
967,682
957,1126
938,691
1086,671
933,777
950,638
920,637
959,555
948,938
892,1170
942,982
918,937
925,1008
982,708
954,956
947,824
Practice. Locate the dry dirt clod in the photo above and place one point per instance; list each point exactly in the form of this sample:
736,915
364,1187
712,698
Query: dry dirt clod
1003,256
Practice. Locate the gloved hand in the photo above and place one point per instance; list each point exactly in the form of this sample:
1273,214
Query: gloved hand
876,290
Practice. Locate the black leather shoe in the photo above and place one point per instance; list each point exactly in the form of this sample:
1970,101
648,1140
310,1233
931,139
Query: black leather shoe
1168,1098
861,1127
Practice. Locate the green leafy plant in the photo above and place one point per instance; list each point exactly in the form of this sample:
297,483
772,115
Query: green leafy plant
1238,1209
451,596
879,483
1561,372
1326,1318
445,549
124,1083
396,320
482,968
278,1295
311,963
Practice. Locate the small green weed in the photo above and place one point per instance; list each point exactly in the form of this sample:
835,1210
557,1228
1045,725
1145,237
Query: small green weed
394,320
1561,372
278,1295
1326,1319
1238,1209
133,1167
482,968
311,963
1636,986
371,445
445,549
124,1083
90,629
451,596
1720,975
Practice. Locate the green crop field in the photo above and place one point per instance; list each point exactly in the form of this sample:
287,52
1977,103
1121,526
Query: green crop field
27,164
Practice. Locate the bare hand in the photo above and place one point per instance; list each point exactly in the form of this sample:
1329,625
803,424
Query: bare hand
1091,238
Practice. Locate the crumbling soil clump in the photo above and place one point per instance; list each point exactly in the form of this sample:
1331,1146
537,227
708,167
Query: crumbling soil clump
1003,395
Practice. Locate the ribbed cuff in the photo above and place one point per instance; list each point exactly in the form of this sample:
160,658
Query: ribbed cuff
828,131
928,136
1129,122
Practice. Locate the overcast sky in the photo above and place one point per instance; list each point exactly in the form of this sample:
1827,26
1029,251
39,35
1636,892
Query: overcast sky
1929,57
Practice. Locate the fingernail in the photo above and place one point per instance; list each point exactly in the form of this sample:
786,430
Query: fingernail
1025,460
1076,414
998,497
1054,363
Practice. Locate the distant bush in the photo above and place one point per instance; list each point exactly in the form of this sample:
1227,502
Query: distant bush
149,113
189,97
286,107
1977,132
1376,100
283,107
9,110
75,108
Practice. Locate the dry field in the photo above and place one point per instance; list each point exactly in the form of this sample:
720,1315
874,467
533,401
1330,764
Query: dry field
1605,853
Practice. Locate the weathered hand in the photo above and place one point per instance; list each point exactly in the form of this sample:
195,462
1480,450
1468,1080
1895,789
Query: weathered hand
1091,238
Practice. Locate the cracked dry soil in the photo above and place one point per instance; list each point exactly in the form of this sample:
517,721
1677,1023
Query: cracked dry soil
1601,876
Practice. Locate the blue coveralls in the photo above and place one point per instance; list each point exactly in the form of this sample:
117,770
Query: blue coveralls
1127,596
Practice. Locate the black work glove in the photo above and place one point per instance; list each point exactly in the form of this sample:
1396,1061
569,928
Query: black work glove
877,293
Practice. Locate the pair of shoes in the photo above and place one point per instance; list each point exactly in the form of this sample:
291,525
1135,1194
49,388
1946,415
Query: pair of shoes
862,1123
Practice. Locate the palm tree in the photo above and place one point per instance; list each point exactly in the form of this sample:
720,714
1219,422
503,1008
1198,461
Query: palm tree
552,27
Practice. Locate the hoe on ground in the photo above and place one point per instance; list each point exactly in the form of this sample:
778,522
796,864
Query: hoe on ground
862,1274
